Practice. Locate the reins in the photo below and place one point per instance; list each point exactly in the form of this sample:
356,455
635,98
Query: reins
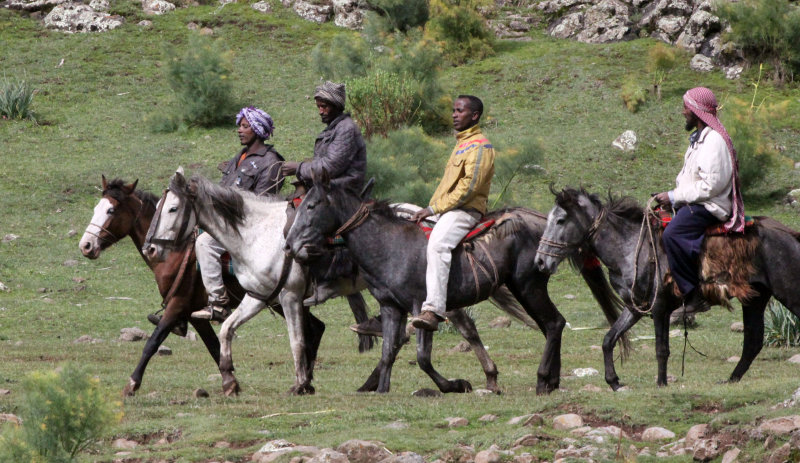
187,256
562,247
358,217
642,308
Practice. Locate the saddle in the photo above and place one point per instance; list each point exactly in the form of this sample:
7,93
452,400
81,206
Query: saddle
726,260
405,211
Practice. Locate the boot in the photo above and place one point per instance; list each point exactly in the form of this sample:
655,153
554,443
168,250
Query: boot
427,320
694,303
371,327
180,329
213,312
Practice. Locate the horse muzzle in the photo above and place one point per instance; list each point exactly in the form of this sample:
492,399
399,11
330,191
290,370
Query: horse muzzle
306,253
152,252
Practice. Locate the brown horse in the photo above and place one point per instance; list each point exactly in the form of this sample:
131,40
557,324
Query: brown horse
125,211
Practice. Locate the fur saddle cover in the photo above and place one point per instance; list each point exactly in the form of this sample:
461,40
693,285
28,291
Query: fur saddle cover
726,261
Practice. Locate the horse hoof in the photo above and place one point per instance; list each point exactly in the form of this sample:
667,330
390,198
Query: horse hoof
463,386
302,389
231,389
130,389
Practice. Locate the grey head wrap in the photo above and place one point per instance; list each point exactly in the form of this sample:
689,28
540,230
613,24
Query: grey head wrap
332,93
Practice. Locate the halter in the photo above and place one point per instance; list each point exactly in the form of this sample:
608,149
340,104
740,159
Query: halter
114,237
173,243
358,217
562,246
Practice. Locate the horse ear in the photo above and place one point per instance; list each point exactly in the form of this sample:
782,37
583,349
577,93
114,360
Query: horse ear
552,187
105,182
322,178
366,192
180,170
178,181
128,189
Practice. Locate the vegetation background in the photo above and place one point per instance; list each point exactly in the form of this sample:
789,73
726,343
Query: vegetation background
96,98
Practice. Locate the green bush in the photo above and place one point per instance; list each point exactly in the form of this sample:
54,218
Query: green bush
402,15
16,99
381,102
661,60
633,95
768,31
781,327
199,77
63,413
460,30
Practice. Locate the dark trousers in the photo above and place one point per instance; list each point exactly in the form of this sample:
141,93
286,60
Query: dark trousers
683,239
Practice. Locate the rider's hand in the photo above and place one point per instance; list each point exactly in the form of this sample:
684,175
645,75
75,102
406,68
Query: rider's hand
421,214
289,168
662,198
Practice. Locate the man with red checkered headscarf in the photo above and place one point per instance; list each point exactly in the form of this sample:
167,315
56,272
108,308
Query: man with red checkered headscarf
706,193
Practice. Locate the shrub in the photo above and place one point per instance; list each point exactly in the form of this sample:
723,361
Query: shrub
460,30
661,59
199,78
510,165
63,413
768,31
633,95
16,99
382,101
402,15
781,327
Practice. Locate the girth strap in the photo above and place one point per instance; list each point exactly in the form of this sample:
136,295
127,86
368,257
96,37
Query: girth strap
187,255
475,264
287,265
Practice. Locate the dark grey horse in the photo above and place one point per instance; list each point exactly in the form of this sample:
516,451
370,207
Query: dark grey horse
391,254
614,231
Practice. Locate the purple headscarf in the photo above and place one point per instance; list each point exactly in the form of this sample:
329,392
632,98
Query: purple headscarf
703,104
259,120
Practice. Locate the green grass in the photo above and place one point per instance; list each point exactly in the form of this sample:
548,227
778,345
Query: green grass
92,119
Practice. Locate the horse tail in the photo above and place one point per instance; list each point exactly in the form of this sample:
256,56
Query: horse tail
592,272
505,301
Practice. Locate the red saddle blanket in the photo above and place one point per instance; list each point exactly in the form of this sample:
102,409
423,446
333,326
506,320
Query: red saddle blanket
478,230
665,217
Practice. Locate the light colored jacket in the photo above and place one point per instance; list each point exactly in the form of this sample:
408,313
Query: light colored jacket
468,175
707,175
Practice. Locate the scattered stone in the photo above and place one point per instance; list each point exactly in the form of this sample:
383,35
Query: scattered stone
157,7
592,388
145,23
656,434
76,17
567,421
500,322
456,422
86,339
278,455
425,392
262,6
580,432
682,319
311,12
733,72
606,433
794,358
405,457
72,232
528,440
3,287
484,392
9,238
132,334
595,347
458,454
164,350
328,456
397,425
462,346
214,377
192,26
780,426
488,418
221,444
701,63
488,456
627,141
124,444
70,263
734,359
207,31
519,419
780,455
706,449
737,327
200,393
78,279
9,418
583,372
696,433
534,420
348,13
4,392
569,297
361,451
731,455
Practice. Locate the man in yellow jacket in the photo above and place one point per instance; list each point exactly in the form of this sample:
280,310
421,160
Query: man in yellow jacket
459,200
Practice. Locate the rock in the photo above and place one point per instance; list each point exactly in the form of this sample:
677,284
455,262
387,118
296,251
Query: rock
488,418
583,372
794,358
145,23
157,7
328,456
737,327
86,339
528,440
733,72
500,322
397,425
425,392
35,5
458,455
97,5
462,346
695,433
580,432
488,456
534,420
9,237
3,287
592,388
9,418
780,426
124,444
656,434
348,13
311,12
731,455
405,457
70,263
706,449
76,17
132,334
456,422
519,419
193,26
780,455
360,451
733,359
262,6
207,31
627,141
190,336
567,421
200,393
222,444
701,63
4,392
164,350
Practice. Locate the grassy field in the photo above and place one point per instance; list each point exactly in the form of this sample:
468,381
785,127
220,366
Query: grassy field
93,112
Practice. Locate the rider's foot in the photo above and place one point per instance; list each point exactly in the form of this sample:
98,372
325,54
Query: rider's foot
180,329
427,320
694,303
323,292
212,312
371,327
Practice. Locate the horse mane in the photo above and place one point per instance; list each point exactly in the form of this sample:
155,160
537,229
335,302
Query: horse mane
623,207
114,190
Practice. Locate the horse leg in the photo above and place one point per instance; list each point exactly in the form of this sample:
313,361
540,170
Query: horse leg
296,321
661,326
753,320
531,292
620,327
468,331
246,310
424,350
160,333
209,337
359,307
393,321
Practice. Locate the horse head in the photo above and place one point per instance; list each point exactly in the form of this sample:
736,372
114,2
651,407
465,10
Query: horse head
570,223
114,217
315,221
174,220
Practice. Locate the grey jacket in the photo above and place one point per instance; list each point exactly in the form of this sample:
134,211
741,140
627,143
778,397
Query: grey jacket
340,150
260,172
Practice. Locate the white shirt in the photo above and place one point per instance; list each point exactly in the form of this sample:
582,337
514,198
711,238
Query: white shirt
707,175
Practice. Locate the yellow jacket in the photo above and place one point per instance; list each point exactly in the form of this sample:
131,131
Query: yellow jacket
468,174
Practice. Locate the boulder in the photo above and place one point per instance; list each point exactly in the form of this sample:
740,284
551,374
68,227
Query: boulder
311,12
567,421
262,6
348,13
488,456
405,457
328,456
731,455
76,17
706,449
32,5
701,63
627,141
132,334
157,7
656,433
780,426
456,422
360,451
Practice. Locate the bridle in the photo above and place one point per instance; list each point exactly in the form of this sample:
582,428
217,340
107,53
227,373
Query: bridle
114,238
358,217
562,247
180,236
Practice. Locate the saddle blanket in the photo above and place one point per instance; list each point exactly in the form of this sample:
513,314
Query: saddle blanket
665,217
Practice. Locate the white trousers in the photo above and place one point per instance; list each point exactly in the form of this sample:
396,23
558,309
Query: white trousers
451,228
208,251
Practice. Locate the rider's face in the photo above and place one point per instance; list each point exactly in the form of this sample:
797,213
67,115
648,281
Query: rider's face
246,134
463,116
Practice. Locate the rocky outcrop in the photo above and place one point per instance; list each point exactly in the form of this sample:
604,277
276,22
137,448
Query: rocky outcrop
76,17
31,5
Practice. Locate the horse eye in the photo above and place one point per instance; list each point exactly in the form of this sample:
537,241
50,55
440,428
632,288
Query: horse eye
559,221
173,209
110,211
311,206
